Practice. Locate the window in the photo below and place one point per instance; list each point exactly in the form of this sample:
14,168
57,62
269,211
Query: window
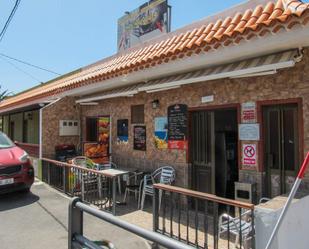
91,129
137,114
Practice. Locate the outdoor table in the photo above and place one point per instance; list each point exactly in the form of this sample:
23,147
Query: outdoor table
114,174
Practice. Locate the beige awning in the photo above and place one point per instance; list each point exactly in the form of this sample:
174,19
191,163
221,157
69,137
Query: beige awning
263,65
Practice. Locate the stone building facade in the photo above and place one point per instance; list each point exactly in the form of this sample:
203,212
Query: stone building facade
287,86
64,109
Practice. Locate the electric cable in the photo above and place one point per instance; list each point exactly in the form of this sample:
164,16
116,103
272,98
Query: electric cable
7,23
19,69
29,64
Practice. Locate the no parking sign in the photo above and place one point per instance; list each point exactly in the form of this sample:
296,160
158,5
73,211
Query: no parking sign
249,154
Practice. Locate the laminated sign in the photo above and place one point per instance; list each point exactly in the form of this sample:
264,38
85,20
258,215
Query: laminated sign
248,112
249,154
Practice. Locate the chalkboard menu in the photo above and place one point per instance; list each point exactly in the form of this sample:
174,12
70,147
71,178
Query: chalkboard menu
177,126
139,137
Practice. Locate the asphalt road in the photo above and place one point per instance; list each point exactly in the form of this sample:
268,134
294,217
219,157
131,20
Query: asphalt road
38,220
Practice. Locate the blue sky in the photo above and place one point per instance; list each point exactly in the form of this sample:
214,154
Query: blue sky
63,35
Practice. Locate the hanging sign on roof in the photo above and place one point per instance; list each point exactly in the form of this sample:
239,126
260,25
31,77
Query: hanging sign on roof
149,20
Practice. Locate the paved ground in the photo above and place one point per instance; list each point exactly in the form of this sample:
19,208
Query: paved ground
39,220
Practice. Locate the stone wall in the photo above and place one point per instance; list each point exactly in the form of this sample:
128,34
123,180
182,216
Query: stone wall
290,83
51,115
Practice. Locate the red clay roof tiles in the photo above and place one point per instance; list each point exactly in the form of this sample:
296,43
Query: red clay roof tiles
258,21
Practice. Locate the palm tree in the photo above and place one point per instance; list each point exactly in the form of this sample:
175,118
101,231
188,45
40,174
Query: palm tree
4,94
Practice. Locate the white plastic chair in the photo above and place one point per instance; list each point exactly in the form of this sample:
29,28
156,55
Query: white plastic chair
165,175
233,225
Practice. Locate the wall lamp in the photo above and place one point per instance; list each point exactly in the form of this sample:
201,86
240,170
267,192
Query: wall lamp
155,104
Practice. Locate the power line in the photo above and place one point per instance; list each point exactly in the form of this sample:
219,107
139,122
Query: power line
29,64
19,69
7,23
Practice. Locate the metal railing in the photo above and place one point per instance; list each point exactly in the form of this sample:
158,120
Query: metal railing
77,240
202,220
91,186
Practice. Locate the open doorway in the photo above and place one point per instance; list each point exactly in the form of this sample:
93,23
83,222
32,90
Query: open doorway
214,151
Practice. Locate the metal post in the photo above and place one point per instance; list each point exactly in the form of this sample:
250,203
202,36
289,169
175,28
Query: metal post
75,221
253,229
48,173
155,210
99,177
64,179
83,187
114,195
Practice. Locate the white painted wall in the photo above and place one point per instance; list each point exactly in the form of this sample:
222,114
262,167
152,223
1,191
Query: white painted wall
294,231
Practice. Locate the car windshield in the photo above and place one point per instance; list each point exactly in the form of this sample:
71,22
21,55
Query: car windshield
5,142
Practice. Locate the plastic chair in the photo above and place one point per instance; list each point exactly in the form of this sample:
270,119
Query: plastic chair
263,200
133,184
83,162
233,225
165,175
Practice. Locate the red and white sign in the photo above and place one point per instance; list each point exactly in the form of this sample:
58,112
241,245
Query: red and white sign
248,112
249,154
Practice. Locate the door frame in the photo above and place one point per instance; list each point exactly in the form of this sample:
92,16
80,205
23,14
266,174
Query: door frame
265,103
233,106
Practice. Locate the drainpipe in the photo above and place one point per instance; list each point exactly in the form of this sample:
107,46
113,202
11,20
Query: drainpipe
41,126
40,133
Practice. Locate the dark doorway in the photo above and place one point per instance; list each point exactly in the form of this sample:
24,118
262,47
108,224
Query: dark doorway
281,147
213,147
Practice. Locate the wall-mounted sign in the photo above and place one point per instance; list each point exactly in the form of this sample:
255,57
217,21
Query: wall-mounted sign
122,131
149,20
249,132
161,132
98,153
248,112
207,99
139,141
177,126
249,155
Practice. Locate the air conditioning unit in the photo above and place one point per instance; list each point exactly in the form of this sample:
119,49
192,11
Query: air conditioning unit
69,128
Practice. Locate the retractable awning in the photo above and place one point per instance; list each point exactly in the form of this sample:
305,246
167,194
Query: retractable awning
263,65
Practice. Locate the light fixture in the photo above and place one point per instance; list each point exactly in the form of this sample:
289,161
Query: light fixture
155,104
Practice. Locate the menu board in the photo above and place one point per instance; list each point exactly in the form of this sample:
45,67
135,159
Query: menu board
177,126
139,137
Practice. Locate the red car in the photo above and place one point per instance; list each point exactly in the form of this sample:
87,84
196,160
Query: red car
16,171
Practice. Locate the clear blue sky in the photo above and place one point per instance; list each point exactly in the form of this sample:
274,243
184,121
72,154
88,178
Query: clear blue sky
63,35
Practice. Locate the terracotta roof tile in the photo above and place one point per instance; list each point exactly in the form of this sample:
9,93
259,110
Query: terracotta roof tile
259,21
204,34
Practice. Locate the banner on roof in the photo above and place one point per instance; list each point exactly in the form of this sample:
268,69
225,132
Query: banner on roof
149,20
